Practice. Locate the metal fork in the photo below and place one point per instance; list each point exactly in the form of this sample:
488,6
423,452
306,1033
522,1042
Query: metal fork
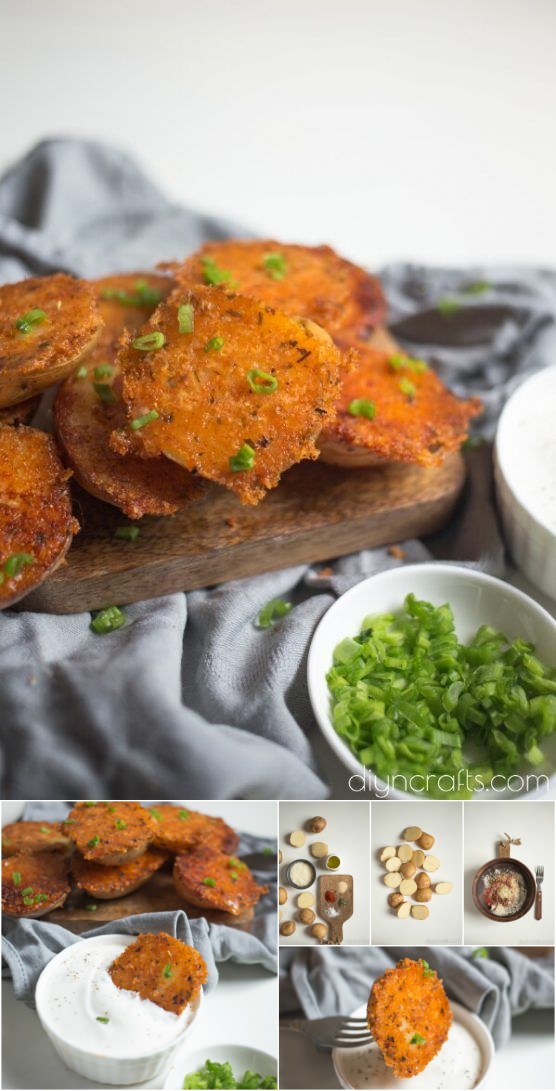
333,1032
539,874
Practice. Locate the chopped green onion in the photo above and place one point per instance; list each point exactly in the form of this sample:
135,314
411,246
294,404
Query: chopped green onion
28,890
16,876
81,372
69,821
398,361
105,392
447,306
28,901
183,815
234,862
110,810
362,407
261,382
149,342
140,422
478,287
156,814
268,851
144,295
408,388
417,1040
120,824
45,829
40,898
275,265
243,460
94,841
186,318
103,371
91,908
89,803
106,621
32,318
215,344
275,609
14,564
213,274
209,882
234,875
480,952
167,971
127,534
102,1019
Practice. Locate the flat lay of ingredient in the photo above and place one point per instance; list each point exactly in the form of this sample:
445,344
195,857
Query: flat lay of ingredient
408,873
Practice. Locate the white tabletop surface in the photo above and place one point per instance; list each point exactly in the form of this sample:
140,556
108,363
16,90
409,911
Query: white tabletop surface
443,820
484,825
347,836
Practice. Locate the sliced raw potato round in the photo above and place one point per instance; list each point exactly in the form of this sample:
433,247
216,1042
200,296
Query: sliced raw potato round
418,857
297,839
412,833
420,912
426,841
387,853
36,521
319,849
404,853
282,895
305,901
47,325
408,886
430,863
443,888
392,879
408,870
403,910
393,864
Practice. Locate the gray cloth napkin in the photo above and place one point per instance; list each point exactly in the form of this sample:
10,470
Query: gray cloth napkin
188,698
326,981
27,945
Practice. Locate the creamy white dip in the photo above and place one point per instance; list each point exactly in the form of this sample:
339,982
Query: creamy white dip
79,994
526,444
458,1065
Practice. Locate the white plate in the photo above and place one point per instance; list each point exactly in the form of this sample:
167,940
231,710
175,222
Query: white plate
365,1070
475,598
240,1057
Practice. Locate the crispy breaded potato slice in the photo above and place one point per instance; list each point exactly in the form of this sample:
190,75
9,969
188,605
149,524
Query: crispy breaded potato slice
120,879
111,833
34,837
416,418
59,322
36,521
88,408
213,880
238,400
161,969
20,413
311,281
179,829
33,884
409,1016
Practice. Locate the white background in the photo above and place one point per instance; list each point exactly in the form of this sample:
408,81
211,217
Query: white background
391,129
484,825
347,836
443,820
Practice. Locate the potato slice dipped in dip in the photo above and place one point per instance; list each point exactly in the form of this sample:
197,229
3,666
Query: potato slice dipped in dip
32,885
409,1016
310,281
47,325
214,880
104,882
229,388
161,969
110,833
34,837
179,829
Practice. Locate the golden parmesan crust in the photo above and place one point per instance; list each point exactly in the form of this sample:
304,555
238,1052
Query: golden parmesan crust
179,829
206,408
84,421
20,413
111,833
422,427
234,889
405,1002
317,283
32,885
115,882
161,969
34,837
31,361
35,509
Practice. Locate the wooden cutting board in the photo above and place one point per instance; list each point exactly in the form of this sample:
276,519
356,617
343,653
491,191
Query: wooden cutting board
317,512
342,906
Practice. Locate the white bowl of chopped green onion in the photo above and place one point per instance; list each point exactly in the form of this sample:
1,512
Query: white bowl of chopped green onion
438,680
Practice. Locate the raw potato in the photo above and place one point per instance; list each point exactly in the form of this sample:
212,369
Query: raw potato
418,857
393,864
404,911
287,928
394,900
306,916
320,932
408,870
282,896
316,825
412,833
430,863
423,880
405,852
318,849
408,886
443,888
420,912
424,894
387,853
426,841
393,879
305,901
297,839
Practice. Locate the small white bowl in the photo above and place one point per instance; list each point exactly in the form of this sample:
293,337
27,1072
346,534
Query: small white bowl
475,599
241,1058
525,447
120,1071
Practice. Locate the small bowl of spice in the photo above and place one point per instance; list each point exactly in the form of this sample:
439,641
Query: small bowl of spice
503,890
301,874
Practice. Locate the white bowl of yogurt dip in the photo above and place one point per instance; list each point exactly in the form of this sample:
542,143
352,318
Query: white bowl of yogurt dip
525,476
104,1033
